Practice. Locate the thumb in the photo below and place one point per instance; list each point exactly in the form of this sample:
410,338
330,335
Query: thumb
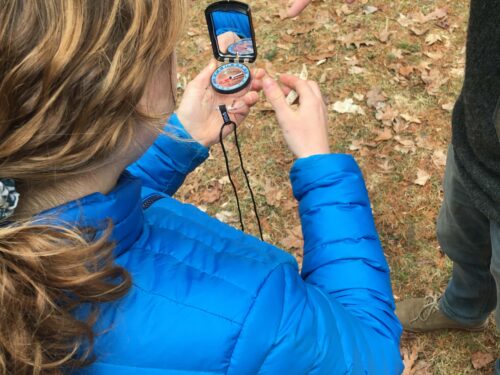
297,7
275,95
202,80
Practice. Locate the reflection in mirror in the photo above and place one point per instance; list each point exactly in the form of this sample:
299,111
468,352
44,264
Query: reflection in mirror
232,29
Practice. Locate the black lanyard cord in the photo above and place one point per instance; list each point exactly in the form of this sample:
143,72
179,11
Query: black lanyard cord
221,138
228,122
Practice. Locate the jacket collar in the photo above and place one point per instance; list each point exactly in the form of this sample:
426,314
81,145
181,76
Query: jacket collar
122,206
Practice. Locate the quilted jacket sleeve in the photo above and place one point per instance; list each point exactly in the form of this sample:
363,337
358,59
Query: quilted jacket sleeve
337,317
170,159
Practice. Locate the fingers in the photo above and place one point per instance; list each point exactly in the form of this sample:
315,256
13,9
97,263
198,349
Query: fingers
275,95
315,89
251,98
257,76
202,80
297,7
302,87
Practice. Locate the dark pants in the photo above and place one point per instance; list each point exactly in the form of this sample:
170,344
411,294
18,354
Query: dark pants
472,242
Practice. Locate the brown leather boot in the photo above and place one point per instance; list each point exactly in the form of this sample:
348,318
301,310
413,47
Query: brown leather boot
423,315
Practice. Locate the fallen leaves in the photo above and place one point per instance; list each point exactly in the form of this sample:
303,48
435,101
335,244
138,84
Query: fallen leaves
356,39
433,39
375,97
439,14
409,359
348,106
212,194
448,107
433,79
273,194
384,135
422,177
439,158
481,360
369,9
293,239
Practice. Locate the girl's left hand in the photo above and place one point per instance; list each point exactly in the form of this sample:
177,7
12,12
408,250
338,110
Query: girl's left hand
198,110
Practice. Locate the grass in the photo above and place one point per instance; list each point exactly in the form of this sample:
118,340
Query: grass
405,213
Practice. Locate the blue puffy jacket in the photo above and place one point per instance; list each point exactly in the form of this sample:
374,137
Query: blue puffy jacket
209,299
236,22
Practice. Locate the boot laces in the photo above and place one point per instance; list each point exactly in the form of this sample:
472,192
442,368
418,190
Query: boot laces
430,306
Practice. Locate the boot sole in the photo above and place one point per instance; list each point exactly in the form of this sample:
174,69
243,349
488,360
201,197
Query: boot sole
469,329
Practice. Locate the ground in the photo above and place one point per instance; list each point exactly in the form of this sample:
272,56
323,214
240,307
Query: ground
401,65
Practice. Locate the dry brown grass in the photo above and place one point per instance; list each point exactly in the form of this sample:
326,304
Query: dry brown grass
405,212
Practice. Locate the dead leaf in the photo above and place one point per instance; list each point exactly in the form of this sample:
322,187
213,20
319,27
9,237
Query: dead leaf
480,360
385,166
293,240
384,35
448,106
369,9
411,119
422,368
359,97
301,29
387,115
344,10
356,70
409,359
406,71
422,177
289,204
434,80
404,21
433,39
348,106
438,14
211,194
226,217
397,53
423,141
201,44
356,145
272,193
357,38
320,56
439,158
419,32
384,135
434,55
405,146
351,61
375,97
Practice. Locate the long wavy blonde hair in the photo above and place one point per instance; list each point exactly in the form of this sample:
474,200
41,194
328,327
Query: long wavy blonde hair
72,73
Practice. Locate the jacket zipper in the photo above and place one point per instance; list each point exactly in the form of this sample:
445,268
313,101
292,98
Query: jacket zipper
148,202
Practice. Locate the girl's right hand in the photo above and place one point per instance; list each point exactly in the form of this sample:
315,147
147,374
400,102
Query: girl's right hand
305,129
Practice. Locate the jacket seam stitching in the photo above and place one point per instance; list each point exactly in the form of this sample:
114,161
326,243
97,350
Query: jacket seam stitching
187,236
185,304
261,286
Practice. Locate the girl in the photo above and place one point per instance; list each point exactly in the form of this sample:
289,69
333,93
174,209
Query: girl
103,272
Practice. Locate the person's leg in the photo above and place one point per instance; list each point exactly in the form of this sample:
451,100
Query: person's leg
495,271
464,235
